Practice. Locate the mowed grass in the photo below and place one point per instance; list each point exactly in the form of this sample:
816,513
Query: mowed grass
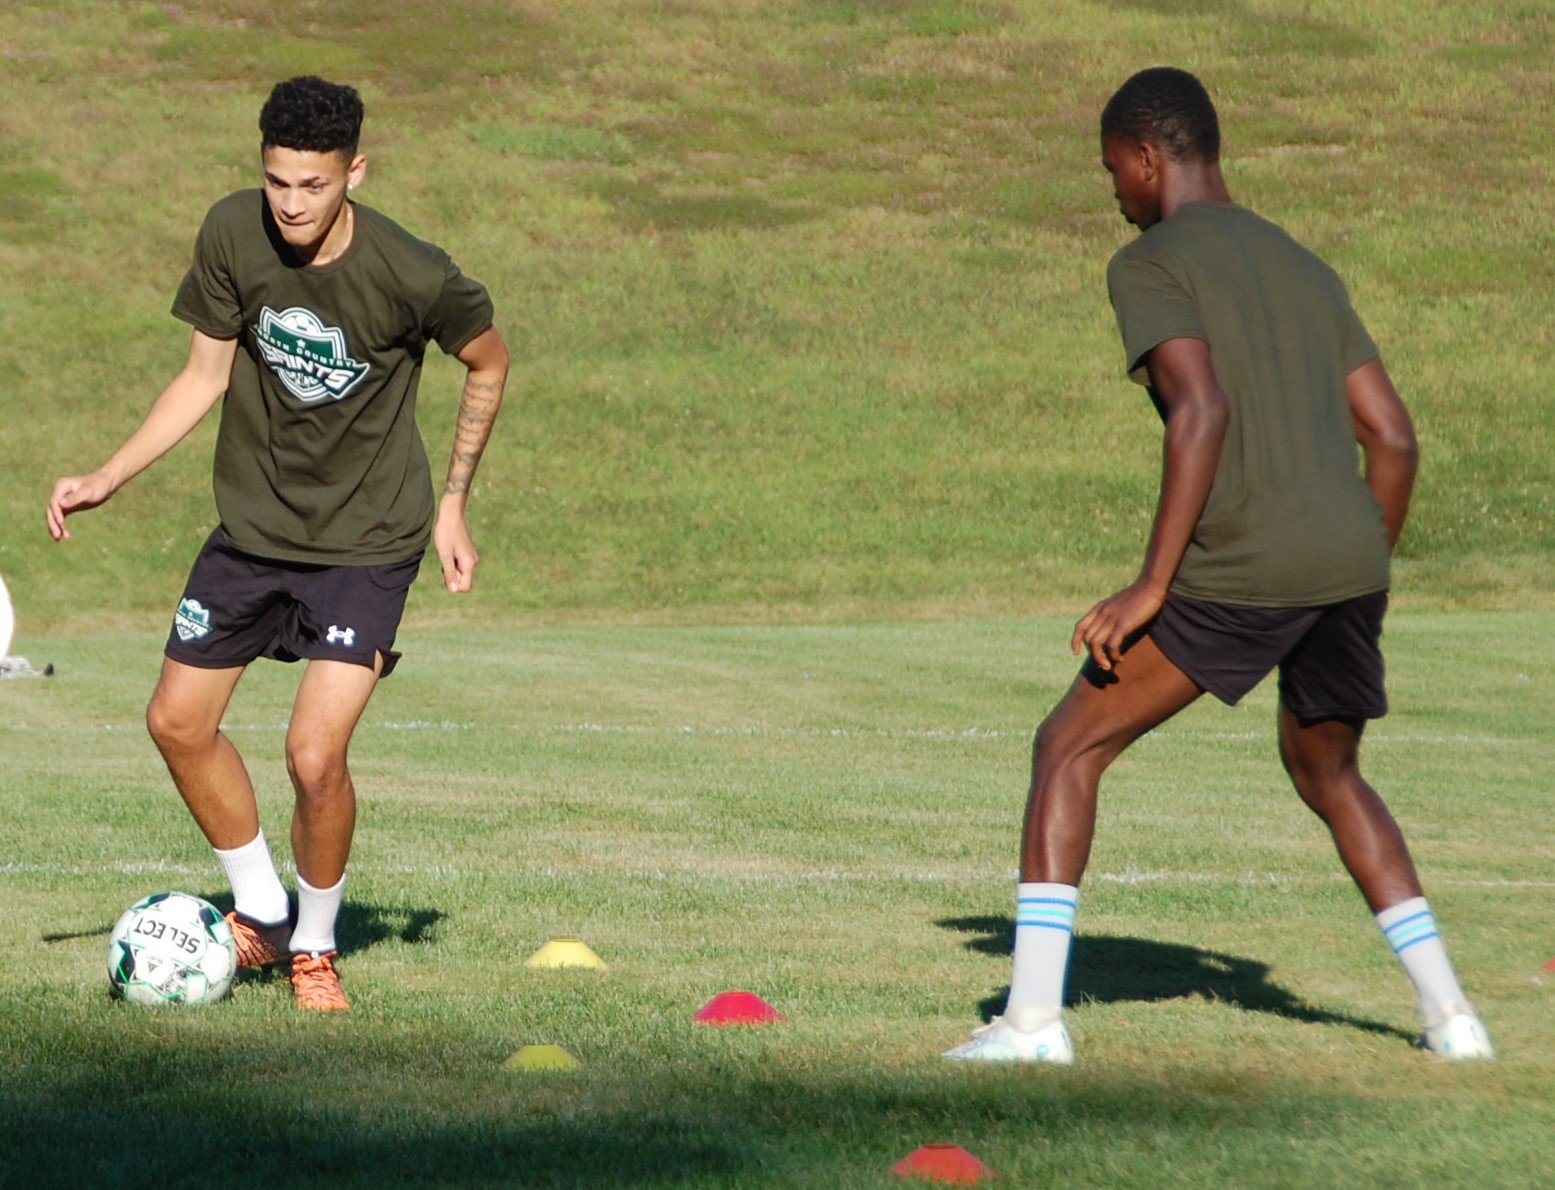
805,297
826,815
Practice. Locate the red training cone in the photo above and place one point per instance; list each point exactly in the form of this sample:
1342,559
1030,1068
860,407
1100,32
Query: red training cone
737,1008
1550,966
942,1163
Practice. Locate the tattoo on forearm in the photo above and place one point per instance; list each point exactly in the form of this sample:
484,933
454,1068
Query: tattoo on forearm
478,406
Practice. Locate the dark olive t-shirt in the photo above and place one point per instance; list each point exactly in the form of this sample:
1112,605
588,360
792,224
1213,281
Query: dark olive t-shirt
318,458
1290,521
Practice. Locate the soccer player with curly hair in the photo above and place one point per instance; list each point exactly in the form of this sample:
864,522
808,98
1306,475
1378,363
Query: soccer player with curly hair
311,315
1269,550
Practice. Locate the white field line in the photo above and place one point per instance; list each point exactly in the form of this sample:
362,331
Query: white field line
779,732
827,875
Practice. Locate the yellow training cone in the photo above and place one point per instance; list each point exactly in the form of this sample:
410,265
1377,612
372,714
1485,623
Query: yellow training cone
565,952
542,1057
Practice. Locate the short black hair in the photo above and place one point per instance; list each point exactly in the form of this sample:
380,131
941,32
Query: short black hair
1168,107
310,115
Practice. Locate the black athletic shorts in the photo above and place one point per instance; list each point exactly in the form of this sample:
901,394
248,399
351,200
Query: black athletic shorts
1329,658
237,607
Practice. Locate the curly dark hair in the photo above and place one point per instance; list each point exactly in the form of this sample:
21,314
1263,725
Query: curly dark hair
1168,107
311,115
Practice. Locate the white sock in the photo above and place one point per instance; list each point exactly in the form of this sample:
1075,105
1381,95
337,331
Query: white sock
317,909
257,892
1410,929
1044,928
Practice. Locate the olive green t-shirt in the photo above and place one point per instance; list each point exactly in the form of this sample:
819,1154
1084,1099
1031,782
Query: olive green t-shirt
1290,521
318,458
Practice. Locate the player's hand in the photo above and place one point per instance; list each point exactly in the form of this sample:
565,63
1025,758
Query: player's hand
1105,629
455,547
75,493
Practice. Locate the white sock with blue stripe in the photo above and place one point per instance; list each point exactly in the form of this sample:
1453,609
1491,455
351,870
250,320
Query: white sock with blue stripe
1410,928
1044,928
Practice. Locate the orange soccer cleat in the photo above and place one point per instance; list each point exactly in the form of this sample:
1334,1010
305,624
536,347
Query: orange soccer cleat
316,983
259,946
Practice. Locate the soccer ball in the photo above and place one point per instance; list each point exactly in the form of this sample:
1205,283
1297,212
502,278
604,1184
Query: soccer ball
171,948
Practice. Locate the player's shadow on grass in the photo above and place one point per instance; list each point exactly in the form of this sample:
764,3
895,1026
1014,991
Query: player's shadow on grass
1106,969
358,927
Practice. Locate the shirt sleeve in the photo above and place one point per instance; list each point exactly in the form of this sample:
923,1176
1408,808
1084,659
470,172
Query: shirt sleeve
207,297
461,310
1356,345
1151,307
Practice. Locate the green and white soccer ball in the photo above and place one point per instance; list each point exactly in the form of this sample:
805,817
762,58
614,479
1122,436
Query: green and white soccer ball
171,948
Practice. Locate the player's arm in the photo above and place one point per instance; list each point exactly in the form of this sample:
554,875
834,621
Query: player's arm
486,357
1387,439
178,410
1197,413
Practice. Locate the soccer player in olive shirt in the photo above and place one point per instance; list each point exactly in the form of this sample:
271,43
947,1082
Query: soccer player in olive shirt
311,314
1269,550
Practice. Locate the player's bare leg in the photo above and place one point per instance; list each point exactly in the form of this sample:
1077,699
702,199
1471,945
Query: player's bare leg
1094,722
1086,732
330,702
1322,759
184,719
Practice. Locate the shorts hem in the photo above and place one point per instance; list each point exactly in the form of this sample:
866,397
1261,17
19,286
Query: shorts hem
1322,714
390,659
199,662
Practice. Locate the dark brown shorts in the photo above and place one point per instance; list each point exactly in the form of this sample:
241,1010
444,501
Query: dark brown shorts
237,608
1329,658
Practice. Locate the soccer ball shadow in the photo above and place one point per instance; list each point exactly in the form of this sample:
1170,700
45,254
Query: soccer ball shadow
1107,969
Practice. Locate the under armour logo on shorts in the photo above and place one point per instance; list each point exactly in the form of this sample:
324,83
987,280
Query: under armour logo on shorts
340,636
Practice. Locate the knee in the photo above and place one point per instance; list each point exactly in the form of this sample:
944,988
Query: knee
1325,781
1311,775
315,768
177,727
1298,767
1058,750
1317,754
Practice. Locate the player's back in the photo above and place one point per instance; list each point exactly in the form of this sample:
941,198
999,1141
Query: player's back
1290,520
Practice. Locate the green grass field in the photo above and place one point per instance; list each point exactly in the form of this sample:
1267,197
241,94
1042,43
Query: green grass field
816,443
825,815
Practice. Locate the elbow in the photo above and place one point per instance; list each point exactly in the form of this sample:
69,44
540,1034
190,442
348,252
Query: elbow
1404,443
1408,451
496,352
1398,442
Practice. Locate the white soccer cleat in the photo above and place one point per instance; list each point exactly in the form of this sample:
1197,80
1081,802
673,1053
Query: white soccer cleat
1003,1040
1459,1036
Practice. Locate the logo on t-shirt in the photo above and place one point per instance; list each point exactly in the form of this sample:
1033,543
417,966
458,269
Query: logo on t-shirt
309,358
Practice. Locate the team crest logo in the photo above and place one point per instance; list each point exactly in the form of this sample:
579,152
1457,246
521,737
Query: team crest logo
310,358
192,620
